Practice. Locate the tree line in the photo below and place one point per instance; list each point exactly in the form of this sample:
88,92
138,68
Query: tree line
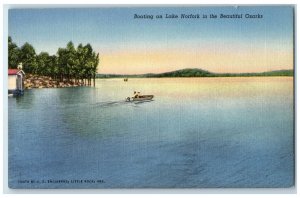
78,65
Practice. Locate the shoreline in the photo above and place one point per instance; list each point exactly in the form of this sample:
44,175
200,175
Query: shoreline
36,81
194,77
195,73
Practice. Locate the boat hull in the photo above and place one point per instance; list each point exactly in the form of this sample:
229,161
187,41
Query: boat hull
141,98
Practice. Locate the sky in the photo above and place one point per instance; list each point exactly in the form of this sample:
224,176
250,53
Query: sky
135,46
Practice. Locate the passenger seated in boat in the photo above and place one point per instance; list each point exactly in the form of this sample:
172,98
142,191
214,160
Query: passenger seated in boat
136,94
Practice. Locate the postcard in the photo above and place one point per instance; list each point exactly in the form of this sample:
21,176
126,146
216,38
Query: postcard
151,97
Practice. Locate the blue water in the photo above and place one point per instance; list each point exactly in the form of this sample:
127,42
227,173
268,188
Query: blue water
208,132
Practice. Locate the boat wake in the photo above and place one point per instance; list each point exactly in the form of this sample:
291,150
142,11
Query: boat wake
110,103
120,102
141,102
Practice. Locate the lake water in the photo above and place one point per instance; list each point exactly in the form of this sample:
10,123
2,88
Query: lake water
197,132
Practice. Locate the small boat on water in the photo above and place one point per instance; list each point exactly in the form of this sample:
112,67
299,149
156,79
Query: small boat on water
140,98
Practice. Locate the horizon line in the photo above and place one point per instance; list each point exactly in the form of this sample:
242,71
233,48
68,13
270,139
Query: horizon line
196,69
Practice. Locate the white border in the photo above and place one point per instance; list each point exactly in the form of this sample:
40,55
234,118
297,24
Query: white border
64,3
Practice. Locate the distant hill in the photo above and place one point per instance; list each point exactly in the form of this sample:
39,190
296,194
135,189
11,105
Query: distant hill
280,73
269,73
183,73
194,72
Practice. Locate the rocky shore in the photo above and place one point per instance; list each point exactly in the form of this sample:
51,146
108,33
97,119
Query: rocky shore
34,81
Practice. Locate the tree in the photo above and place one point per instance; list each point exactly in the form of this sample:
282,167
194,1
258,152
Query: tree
91,63
13,54
54,72
62,63
28,58
69,64
79,68
71,60
44,64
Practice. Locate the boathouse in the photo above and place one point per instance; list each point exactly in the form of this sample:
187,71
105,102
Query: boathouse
16,81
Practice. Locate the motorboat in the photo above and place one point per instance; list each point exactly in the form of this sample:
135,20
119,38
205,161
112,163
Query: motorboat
140,98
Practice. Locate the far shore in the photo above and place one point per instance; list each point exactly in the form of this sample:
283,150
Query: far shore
198,73
133,77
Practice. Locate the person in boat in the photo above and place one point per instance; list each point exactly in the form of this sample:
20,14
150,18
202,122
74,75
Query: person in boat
136,94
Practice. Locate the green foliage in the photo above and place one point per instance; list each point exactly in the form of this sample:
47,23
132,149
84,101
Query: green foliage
14,54
280,73
183,73
77,63
68,63
44,64
28,58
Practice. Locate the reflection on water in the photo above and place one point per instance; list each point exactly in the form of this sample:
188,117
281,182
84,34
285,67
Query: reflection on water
197,132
